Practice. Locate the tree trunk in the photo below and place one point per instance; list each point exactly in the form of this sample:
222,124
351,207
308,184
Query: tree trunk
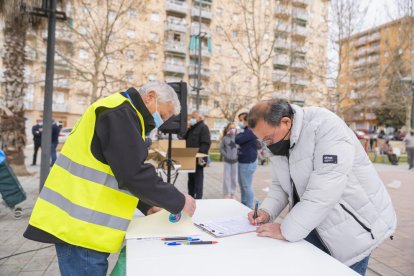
12,120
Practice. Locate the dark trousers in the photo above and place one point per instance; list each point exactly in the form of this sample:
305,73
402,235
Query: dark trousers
195,183
393,159
53,152
36,149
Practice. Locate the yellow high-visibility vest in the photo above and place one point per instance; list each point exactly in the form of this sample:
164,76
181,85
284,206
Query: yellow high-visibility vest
81,202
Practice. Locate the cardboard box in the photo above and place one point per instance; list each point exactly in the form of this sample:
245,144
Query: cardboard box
186,157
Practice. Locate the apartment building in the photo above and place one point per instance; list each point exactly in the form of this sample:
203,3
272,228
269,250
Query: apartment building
160,40
371,59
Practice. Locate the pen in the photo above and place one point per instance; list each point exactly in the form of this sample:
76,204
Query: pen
178,239
199,242
255,209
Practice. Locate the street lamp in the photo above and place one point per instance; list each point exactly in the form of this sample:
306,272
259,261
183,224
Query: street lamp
411,82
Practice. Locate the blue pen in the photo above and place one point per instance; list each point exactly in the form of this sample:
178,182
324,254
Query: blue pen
173,243
255,210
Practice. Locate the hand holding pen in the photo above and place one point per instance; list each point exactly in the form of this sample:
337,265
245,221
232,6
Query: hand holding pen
258,216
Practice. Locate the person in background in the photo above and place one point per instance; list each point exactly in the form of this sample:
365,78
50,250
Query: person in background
197,136
10,189
247,158
37,139
387,149
55,141
228,149
409,148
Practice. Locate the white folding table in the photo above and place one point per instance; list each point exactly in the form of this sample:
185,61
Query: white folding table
239,255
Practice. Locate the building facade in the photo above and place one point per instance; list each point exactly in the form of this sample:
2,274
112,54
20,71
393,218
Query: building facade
372,63
104,49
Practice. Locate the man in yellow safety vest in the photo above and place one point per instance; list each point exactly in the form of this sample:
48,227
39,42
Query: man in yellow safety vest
100,177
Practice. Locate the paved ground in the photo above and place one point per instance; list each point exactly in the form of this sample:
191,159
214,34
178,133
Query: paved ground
392,258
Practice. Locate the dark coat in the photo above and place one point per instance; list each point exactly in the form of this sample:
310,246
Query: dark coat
198,136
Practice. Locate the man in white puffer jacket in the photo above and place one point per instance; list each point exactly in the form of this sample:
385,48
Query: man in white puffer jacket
336,199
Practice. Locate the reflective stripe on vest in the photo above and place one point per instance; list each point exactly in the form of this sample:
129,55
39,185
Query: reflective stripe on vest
83,213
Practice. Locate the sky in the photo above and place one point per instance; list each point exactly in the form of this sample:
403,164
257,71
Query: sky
379,12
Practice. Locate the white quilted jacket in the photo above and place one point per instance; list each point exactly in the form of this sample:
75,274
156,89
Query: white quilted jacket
345,201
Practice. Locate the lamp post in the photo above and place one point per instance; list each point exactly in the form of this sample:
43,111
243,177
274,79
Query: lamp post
411,83
48,10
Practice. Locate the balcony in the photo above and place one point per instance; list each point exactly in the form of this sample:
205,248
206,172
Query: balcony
299,63
28,105
300,14
204,52
56,107
300,30
282,27
362,40
282,43
204,109
205,72
62,83
174,68
60,35
281,94
280,76
281,60
203,93
282,10
299,80
171,26
303,2
176,47
205,13
195,28
375,36
176,6
30,54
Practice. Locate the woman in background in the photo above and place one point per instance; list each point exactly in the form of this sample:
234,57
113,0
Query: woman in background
228,149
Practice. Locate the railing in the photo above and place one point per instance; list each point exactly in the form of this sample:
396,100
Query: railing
173,46
300,13
300,30
205,72
175,27
282,9
280,76
281,59
204,52
195,11
282,27
176,6
175,68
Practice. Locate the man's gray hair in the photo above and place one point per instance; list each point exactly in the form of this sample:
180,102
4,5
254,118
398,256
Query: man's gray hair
271,111
199,114
165,94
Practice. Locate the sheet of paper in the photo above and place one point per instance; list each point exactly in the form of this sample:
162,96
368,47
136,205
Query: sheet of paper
228,226
158,225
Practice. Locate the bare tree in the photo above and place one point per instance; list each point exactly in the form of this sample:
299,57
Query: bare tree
99,38
252,38
231,96
345,20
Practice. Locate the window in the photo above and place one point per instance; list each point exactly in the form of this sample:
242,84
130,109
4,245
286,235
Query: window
154,37
132,13
130,54
266,36
155,16
110,58
235,17
218,49
83,54
130,33
217,85
82,30
219,12
58,97
129,75
234,34
152,77
85,9
234,53
152,56
216,104
111,15
217,66
232,87
219,30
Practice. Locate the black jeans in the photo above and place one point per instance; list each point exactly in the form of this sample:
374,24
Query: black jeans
36,149
195,183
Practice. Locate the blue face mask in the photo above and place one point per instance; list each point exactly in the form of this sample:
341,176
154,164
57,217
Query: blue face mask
193,121
241,125
157,117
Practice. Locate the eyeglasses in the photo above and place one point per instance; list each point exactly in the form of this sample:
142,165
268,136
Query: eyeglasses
268,140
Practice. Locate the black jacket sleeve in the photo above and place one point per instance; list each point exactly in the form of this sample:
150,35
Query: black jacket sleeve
205,140
119,132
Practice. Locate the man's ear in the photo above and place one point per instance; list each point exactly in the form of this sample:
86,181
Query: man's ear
286,121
